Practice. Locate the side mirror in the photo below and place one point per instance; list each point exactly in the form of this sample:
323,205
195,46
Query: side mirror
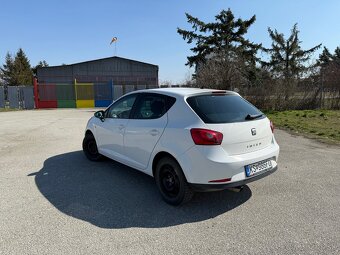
100,115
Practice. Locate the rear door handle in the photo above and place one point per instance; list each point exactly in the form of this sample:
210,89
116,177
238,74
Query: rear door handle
154,132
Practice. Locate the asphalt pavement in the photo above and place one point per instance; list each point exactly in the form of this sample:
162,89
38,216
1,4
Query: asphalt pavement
54,201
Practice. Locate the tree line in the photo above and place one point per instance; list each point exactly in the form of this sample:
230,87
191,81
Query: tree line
284,72
17,69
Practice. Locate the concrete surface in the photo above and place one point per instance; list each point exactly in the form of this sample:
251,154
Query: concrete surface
54,201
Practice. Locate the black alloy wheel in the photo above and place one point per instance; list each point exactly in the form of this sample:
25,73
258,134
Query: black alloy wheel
90,148
171,182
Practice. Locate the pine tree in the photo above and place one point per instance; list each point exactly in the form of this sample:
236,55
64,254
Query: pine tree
22,69
287,58
40,64
336,55
325,57
222,44
225,35
7,70
330,69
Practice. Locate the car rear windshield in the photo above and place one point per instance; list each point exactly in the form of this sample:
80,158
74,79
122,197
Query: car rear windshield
223,108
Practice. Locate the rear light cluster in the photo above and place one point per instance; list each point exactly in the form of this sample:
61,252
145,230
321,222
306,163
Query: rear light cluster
206,137
272,126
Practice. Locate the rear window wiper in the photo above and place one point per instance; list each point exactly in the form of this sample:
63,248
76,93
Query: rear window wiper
252,117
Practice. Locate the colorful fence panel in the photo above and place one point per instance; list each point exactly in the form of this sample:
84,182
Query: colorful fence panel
84,95
103,94
47,96
2,97
66,96
80,94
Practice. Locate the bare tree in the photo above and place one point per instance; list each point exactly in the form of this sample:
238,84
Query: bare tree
165,83
221,71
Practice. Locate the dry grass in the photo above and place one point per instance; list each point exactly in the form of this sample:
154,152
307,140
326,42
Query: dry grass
321,124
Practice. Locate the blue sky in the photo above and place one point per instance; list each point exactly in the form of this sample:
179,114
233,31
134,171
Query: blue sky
73,31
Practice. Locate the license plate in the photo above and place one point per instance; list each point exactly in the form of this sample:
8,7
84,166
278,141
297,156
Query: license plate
258,167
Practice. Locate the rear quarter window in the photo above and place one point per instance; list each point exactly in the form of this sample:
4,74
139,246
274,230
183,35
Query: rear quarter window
222,108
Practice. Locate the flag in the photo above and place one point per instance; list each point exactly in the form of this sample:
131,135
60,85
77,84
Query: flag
114,39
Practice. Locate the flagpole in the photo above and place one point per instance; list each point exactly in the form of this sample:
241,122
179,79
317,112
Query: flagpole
114,40
115,48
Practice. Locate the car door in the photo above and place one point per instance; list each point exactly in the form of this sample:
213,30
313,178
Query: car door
145,127
110,131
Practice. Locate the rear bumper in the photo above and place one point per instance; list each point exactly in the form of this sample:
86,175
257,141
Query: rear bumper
215,187
201,164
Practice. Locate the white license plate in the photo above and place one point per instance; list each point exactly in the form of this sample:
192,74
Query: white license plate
258,167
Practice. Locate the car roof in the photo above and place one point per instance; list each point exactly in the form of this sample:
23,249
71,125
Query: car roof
184,92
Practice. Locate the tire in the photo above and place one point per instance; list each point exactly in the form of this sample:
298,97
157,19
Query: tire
171,182
90,148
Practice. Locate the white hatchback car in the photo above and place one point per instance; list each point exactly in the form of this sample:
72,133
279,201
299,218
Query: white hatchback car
187,139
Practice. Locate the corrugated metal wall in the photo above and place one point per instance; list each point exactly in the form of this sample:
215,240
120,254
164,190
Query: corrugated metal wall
119,70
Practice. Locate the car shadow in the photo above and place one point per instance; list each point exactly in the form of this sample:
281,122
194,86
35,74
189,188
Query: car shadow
110,195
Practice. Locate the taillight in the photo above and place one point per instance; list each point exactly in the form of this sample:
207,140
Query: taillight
272,126
206,136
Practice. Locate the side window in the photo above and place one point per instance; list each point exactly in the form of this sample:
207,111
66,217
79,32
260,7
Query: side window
151,106
122,108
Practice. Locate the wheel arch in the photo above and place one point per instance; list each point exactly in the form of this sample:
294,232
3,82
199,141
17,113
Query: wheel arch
161,155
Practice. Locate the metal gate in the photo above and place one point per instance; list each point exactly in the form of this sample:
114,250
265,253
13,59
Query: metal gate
129,88
26,97
117,91
66,95
47,96
84,95
13,97
103,94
